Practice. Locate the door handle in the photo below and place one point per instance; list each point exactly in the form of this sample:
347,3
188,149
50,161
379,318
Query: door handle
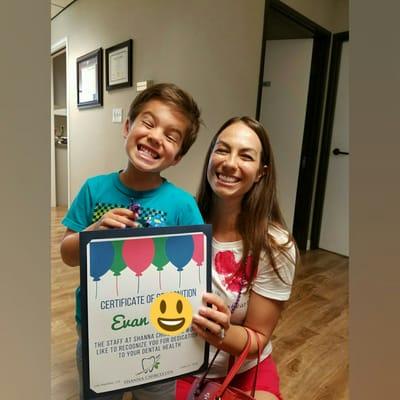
337,151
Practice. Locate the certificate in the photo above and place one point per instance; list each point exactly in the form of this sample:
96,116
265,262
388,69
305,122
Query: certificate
140,289
118,61
90,79
119,65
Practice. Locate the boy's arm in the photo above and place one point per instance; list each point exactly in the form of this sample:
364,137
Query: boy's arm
115,218
70,248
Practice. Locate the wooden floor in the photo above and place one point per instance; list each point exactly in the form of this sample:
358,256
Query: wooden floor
310,342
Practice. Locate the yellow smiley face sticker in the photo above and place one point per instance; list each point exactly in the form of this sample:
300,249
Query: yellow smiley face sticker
171,313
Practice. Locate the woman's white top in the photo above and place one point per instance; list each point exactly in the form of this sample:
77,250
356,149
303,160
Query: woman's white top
226,257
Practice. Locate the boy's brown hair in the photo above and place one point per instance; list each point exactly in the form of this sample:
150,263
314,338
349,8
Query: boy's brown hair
173,95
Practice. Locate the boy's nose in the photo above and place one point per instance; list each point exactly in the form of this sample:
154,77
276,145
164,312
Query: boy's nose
155,136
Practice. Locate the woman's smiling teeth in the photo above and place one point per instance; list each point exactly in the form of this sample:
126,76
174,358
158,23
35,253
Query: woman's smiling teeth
148,152
227,178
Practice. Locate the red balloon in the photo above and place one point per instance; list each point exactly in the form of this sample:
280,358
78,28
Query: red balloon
198,253
138,254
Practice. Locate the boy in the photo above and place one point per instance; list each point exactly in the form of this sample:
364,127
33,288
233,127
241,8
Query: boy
161,126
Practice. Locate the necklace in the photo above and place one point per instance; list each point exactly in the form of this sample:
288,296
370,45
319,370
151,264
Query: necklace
233,306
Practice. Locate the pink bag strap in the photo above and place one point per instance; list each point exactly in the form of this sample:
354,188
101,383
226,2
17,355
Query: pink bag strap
253,390
238,363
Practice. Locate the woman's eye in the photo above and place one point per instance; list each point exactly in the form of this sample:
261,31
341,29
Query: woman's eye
247,157
221,151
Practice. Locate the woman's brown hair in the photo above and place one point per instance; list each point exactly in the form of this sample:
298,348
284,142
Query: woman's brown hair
259,208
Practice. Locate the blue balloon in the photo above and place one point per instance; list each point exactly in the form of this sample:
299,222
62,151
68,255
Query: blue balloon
179,250
101,258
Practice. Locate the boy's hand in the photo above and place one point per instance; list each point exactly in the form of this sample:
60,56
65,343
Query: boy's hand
117,218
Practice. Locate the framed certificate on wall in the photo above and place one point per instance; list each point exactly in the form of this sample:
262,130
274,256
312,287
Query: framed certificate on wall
119,65
89,74
139,290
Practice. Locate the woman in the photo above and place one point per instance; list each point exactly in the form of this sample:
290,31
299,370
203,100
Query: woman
253,257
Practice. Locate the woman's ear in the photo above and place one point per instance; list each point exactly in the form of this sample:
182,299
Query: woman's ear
262,172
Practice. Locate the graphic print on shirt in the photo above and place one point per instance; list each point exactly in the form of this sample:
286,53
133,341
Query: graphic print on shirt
229,270
147,217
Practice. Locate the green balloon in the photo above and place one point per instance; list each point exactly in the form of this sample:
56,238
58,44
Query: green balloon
160,259
118,263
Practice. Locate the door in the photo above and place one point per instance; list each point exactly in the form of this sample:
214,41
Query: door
291,94
334,235
283,112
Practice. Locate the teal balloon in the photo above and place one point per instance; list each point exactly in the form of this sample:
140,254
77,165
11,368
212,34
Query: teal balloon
160,259
101,256
179,250
118,264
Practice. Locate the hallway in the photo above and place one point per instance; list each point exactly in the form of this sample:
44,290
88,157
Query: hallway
310,342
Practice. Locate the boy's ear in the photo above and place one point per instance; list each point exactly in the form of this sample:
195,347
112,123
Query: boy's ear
125,130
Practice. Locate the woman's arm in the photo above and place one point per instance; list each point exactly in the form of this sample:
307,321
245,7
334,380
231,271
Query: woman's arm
262,317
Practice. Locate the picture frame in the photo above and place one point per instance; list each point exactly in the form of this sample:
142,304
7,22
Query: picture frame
125,274
119,65
89,69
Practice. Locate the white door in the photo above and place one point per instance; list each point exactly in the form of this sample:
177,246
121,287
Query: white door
334,234
283,112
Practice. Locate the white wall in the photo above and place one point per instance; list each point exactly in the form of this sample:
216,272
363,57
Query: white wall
283,111
211,49
330,14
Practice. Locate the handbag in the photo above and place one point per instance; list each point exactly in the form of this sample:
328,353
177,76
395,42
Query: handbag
207,389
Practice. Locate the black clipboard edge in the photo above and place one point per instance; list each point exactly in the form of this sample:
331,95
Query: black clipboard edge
86,237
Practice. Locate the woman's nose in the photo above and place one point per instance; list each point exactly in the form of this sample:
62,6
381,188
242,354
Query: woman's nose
230,161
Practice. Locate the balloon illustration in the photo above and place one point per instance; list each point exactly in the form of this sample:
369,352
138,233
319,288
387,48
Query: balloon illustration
138,254
198,253
160,259
179,250
118,264
101,257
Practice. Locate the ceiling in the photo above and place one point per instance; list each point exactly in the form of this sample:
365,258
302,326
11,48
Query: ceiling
58,6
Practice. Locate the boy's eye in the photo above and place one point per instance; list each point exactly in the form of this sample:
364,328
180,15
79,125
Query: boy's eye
147,124
171,138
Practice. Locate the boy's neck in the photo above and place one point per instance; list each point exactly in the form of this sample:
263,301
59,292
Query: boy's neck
138,180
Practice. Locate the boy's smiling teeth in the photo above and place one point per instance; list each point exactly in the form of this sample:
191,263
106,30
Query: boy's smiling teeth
148,151
227,178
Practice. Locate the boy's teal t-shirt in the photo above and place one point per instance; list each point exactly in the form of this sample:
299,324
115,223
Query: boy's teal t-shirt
166,205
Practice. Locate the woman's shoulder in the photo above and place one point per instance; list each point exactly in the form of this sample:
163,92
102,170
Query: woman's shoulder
280,234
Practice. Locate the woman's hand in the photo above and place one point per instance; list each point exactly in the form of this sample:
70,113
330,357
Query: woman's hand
116,218
212,323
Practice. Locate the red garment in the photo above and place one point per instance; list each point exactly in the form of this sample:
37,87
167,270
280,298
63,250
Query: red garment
267,380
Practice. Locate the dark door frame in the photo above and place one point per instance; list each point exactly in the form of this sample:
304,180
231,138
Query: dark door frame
333,80
314,110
